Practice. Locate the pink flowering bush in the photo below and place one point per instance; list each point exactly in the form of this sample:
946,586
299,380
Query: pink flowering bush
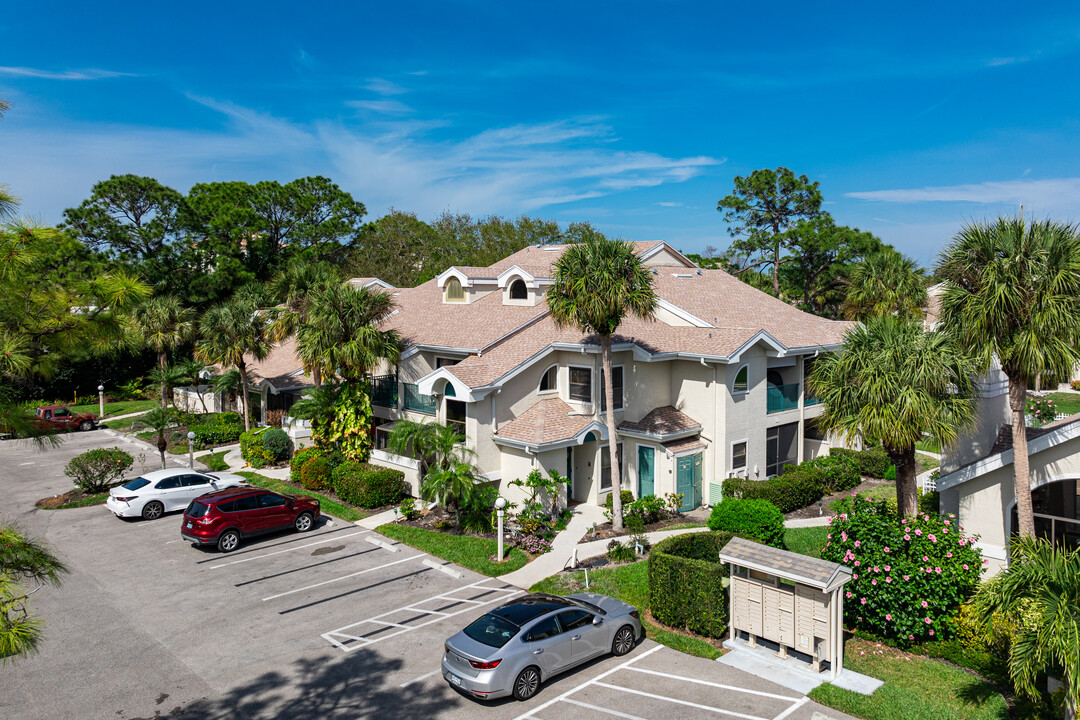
1043,410
909,575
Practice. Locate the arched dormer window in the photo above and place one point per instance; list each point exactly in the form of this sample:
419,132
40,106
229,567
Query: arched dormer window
518,291
549,381
454,291
741,383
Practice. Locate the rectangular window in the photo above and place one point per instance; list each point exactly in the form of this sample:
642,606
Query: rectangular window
605,466
581,384
616,388
455,417
445,362
738,456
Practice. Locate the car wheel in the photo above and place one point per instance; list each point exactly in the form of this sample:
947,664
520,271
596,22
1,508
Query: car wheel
86,425
623,641
527,683
229,541
304,522
153,510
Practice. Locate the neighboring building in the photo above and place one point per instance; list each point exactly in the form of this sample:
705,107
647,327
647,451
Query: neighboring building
710,388
976,480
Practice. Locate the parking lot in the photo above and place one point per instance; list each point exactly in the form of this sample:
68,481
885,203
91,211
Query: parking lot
337,622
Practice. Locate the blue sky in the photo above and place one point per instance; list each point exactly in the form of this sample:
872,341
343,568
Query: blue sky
635,116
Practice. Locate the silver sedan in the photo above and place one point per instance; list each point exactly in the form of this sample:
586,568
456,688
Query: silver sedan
517,646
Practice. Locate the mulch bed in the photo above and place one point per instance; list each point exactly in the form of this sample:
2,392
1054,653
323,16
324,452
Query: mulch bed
51,503
811,511
430,520
604,531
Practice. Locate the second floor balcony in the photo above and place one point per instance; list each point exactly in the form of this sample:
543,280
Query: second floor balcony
782,397
415,401
384,391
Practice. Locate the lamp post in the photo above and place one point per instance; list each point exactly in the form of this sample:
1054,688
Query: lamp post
101,400
191,449
500,504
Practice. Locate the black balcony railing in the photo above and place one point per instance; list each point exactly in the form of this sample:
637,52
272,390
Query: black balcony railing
384,391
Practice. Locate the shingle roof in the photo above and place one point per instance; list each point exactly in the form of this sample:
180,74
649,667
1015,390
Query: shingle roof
545,422
680,446
279,368
817,573
662,421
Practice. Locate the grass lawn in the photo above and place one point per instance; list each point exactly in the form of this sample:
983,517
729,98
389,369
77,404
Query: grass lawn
468,552
1067,403
915,688
629,583
214,461
326,504
876,493
117,408
806,541
122,424
925,462
86,501
929,444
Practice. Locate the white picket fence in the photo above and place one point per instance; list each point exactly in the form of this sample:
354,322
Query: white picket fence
1032,422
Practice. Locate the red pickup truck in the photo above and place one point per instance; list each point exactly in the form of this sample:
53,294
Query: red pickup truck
58,417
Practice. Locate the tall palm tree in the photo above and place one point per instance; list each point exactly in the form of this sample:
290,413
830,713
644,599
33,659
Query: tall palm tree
342,336
228,382
890,383
1039,595
1013,293
159,420
162,323
298,289
232,332
597,284
317,406
886,283
168,378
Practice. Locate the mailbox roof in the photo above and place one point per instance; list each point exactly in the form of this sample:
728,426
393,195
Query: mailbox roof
821,574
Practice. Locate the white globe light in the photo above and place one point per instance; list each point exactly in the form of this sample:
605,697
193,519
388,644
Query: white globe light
191,436
500,503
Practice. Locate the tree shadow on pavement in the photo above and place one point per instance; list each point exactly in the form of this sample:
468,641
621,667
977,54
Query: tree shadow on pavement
353,686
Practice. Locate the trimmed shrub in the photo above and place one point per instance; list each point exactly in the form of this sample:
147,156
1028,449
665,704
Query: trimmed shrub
619,552
909,575
315,474
795,489
873,462
276,442
368,486
95,470
252,450
217,429
890,473
756,519
686,583
301,456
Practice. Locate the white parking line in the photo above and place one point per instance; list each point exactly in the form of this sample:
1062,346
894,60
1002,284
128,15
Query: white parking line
28,463
298,547
571,691
792,709
343,577
609,711
712,684
348,642
425,676
642,693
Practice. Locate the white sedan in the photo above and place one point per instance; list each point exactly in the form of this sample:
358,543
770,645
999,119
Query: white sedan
153,494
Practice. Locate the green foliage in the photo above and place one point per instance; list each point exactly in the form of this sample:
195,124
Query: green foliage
25,566
836,471
646,510
790,491
478,512
1042,410
96,470
756,519
276,442
368,486
890,472
909,575
686,583
408,509
351,426
316,474
252,449
473,553
620,552
301,456
218,429
872,462
886,283
327,504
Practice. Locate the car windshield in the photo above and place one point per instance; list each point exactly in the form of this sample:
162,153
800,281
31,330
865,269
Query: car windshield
492,630
137,483
197,509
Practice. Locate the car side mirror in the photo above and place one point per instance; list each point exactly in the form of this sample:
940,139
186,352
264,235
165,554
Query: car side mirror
597,620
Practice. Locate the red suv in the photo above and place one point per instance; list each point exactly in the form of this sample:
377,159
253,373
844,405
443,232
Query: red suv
226,516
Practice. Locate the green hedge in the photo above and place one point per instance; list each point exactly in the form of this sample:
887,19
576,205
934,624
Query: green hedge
276,442
793,490
873,462
316,474
252,450
686,588
368,486
757,519
219,429
301,456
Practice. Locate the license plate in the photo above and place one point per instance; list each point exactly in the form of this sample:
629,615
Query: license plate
189,526
454,678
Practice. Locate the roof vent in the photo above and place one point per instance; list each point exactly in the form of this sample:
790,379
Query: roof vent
683,275
699,271
655,271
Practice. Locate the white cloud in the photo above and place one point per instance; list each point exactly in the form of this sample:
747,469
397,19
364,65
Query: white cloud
381,86
87,74
669,204
1049,195
386,107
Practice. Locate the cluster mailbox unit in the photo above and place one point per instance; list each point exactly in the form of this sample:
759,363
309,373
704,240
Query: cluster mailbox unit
792,600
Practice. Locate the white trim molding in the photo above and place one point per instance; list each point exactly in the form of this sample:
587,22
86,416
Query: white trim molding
978,468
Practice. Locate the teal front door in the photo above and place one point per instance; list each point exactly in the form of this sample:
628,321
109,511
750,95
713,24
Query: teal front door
688,481
645,471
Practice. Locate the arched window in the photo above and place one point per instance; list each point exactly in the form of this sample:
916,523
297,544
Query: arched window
741,383
518,291
549,381
454,291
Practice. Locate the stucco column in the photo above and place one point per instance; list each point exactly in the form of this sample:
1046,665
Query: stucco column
801,440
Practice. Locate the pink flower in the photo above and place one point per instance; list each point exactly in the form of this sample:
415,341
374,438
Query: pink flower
888,616
965,566
887,568
888,579
864,601
937,570
946,531
848,594
907,577
932,538
918,532
925,604
856,563
948,554
855,576
877,569
906,536
886,548
925,558
926,620
843,536
986,562
829,536
873,582
931,633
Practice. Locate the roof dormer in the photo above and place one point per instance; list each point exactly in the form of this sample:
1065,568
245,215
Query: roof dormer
453,284
519,286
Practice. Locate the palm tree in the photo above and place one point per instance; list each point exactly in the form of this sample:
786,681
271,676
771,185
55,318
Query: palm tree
159,420
451,485
597,283
298,289
886,283
1013,293
317,405
1039,595
228,382
231,333
168,378
194,372
431,444
162,323
342,335
890,383
22,561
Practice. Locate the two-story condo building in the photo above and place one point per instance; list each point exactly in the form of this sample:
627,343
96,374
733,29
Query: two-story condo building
713,386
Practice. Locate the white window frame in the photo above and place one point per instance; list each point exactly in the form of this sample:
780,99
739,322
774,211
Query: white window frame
510,289
746,455
569,384
446,291
554,389
600,400
600,466
735,379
